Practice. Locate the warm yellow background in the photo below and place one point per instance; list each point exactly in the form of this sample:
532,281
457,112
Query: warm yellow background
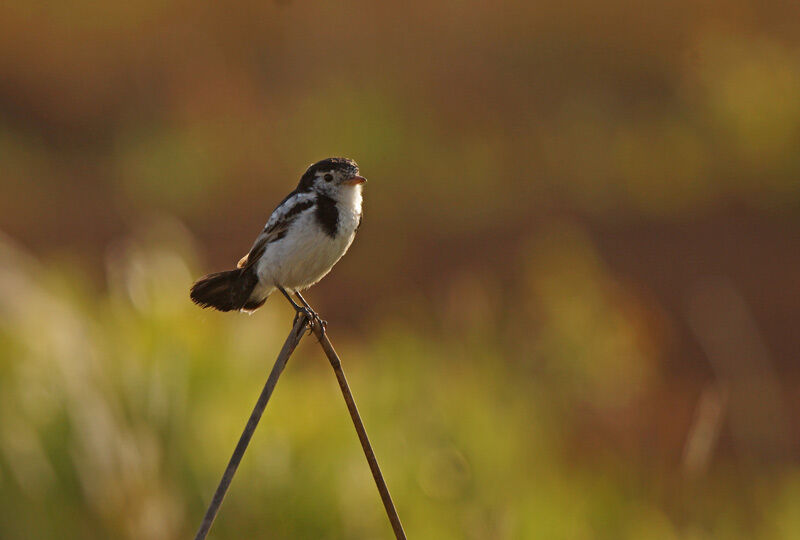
571,312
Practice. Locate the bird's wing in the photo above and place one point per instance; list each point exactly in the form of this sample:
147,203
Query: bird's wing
277,225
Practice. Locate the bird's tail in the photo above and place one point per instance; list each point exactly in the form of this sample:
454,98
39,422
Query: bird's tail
227,291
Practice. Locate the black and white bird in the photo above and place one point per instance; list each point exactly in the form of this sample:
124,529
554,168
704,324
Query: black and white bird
304,237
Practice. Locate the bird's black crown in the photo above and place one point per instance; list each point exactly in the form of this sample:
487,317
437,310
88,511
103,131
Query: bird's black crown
333,164
338,164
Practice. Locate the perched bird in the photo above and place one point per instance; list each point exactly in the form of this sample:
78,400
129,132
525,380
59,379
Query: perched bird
304,237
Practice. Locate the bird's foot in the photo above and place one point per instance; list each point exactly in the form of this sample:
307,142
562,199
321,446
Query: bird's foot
322,324
316,321
312,319
308,314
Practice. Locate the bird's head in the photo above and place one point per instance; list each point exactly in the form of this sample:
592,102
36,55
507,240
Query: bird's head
332,177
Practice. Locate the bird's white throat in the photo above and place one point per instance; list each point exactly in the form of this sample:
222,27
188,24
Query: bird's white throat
350,199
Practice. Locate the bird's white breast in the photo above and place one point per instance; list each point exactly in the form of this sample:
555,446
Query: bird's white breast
307,253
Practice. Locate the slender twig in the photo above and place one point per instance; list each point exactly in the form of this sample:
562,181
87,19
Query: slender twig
336,363
288,347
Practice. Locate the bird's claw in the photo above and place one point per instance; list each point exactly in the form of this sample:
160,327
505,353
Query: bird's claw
309,315
312,319
323,325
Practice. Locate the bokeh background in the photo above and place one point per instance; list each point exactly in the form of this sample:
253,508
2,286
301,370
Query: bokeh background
572,311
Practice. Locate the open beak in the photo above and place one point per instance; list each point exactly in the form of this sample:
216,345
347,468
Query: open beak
355,180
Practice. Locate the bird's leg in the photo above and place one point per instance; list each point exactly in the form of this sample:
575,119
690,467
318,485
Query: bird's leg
322,323
309,313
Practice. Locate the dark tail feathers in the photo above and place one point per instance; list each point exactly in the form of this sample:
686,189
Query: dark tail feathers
227,291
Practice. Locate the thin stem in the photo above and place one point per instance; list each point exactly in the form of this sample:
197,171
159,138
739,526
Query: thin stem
288,348
336,363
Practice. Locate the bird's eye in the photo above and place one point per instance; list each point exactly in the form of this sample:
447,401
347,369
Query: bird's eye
328,177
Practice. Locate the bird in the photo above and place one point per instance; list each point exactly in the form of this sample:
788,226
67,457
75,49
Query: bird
306,234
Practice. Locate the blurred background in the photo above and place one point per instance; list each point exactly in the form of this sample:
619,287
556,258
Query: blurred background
571,312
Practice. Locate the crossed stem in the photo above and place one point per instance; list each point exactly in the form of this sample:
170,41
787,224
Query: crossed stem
305,317
306,309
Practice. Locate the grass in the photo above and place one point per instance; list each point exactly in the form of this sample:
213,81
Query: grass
119,410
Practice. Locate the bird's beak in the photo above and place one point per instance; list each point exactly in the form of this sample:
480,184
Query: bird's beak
355,180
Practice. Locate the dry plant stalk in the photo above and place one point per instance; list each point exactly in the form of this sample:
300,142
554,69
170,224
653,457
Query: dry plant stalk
288,348
383,489
297,333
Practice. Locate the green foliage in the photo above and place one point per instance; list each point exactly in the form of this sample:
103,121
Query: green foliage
119,413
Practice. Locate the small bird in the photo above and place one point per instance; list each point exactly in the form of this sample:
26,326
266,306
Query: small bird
305,236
